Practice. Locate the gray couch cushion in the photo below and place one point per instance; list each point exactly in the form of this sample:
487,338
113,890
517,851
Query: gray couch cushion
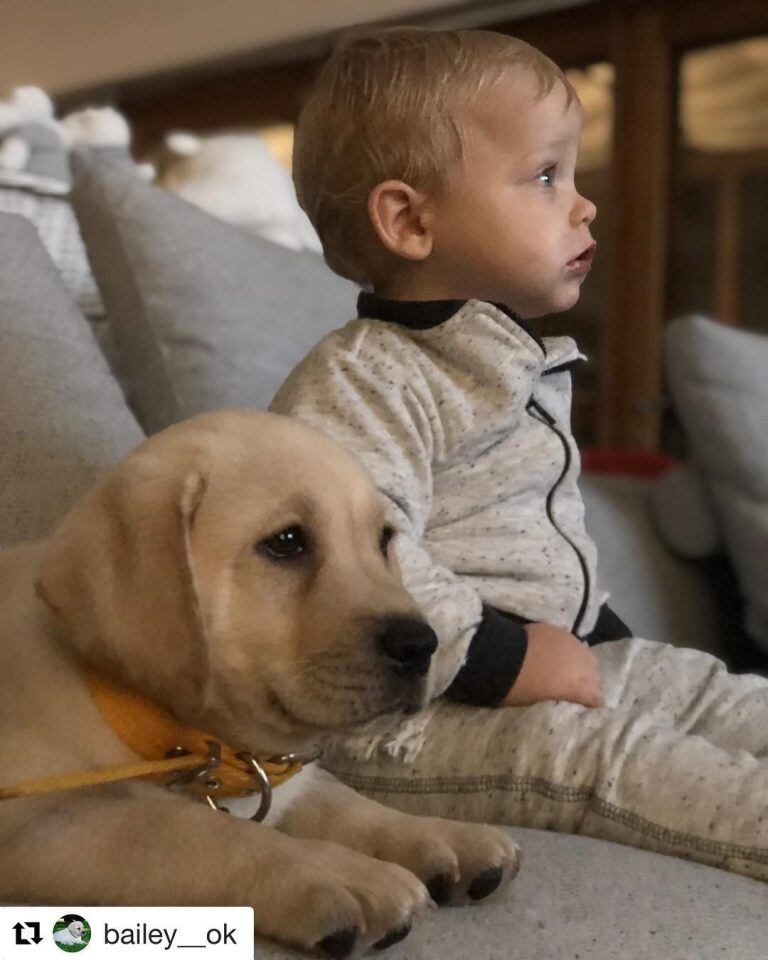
581,898
62,416
203,314
718,380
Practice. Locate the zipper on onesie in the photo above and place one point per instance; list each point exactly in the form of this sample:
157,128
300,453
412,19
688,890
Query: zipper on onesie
543,416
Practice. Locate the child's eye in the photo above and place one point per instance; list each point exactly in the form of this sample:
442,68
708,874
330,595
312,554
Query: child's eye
547,176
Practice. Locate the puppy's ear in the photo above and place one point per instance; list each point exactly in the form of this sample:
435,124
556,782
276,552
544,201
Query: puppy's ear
118,575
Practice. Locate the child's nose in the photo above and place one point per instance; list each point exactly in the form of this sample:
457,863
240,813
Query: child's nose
584,211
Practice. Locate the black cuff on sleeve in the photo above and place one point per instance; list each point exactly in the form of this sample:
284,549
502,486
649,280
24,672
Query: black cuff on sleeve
495,656
609,626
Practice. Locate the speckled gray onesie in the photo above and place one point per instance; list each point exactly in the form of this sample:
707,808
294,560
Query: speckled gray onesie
462,417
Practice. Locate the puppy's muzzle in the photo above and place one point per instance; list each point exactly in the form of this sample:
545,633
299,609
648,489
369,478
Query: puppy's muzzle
408,643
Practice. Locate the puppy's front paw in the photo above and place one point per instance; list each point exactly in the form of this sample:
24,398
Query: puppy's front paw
458,862
337,902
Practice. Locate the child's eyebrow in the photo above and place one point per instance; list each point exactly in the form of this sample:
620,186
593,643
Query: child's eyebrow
551,146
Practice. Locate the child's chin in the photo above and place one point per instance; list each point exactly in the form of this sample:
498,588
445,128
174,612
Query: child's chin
555,307
567,298
557,302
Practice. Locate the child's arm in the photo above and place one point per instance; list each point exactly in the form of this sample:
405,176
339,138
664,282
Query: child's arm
557,666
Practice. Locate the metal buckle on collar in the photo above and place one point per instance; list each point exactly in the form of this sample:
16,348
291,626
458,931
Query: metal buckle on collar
203,774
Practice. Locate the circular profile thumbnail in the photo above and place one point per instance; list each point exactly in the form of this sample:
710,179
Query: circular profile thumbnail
71,933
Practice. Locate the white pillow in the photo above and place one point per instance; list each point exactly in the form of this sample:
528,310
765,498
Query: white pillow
717,375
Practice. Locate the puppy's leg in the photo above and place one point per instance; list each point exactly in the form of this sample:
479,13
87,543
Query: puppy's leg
144,850
456,861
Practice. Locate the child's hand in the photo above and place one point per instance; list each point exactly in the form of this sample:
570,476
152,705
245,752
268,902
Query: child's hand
557,666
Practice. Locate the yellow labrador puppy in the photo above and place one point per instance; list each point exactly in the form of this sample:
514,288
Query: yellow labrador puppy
235,572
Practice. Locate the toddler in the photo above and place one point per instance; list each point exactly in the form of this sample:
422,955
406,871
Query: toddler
438,170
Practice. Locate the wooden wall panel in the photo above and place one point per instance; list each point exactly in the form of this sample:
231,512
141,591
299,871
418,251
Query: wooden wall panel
257,95
630,388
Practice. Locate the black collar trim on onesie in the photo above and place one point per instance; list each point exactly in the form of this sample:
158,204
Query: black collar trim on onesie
416,314
423,314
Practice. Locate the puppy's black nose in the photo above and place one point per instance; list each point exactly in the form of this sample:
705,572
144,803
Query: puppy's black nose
409,642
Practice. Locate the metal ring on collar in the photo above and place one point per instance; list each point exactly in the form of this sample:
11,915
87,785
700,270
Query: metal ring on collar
264,786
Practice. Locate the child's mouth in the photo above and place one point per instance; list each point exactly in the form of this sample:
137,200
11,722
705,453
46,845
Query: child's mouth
583,263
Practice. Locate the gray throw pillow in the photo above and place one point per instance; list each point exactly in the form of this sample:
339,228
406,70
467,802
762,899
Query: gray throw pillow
203,315
658,595
57,226
63,418
717,376
682,513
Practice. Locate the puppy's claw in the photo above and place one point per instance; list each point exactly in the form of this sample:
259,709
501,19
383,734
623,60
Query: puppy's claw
338,944
394,936
440,887
485,883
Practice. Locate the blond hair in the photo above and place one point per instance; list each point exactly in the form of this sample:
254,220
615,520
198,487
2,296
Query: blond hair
390,105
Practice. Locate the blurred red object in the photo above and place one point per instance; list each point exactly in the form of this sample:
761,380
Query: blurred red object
626,460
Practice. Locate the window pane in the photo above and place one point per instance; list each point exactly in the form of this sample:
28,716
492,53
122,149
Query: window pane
279,139
719,253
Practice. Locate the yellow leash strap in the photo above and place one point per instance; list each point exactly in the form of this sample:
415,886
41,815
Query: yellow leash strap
74,781
208,767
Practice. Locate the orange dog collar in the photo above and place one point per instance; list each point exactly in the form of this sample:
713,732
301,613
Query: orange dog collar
174,754
154,734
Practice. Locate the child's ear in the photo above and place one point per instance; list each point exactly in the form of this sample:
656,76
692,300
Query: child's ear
400,219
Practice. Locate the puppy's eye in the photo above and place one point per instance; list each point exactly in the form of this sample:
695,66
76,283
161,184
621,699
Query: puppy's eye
286,545
384,538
